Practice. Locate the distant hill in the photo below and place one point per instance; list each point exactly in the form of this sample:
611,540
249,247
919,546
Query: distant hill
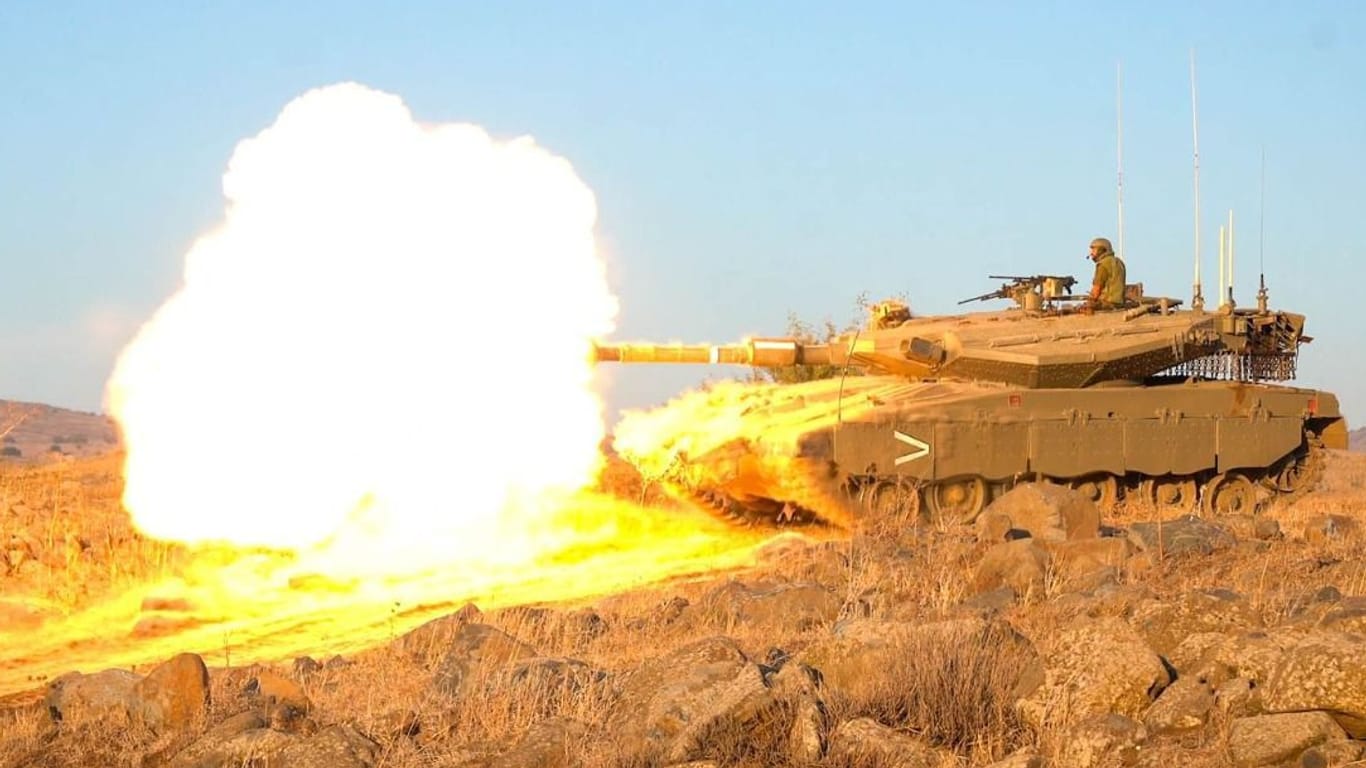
35,432
1356,439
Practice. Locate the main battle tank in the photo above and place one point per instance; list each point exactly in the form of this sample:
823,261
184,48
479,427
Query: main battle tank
1174,407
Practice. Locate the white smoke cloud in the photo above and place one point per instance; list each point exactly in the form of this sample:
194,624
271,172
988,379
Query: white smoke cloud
391,321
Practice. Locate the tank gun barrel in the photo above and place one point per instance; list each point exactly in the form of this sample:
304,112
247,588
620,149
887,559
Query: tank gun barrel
756,352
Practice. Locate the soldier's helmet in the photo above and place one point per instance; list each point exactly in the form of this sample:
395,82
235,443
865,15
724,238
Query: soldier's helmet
1101,246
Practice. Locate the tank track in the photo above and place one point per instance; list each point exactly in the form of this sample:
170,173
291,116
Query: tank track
812,497
806,498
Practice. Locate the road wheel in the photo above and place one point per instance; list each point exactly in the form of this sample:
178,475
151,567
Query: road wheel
1171,492
891,499
1102,489
1230,494
959,500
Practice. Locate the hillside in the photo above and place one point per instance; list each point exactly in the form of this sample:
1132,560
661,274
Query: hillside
1047,634
36,432
1357,439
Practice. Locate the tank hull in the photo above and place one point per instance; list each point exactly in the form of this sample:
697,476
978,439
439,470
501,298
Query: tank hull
819,451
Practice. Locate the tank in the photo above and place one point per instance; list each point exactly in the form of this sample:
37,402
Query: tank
1180,408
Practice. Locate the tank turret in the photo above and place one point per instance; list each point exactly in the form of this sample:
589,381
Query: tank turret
1148,402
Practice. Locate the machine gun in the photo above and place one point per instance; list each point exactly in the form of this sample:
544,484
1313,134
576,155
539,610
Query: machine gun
1031,292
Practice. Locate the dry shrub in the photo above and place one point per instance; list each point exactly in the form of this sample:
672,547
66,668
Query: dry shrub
107,741
951,692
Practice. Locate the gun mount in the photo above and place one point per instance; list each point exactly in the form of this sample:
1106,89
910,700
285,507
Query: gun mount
939,414
1033,292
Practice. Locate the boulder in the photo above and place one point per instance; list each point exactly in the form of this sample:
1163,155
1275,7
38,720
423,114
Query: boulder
76,697
1164,624
1323,671
174,695
1094,667
785,607
1103,740
1021,565
552,743
1184,706
864,741
1268,740
1044,511
475,653
667,707
1182,536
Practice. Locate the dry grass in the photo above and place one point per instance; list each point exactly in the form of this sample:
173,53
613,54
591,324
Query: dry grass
956,696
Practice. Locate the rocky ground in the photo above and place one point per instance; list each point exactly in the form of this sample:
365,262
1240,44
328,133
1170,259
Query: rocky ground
1042,635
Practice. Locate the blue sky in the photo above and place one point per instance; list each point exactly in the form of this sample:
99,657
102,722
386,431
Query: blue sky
750,160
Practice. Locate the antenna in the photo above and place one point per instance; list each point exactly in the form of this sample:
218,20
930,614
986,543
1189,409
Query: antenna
1261,244
1219,290
1197,301
1119,151
1230,257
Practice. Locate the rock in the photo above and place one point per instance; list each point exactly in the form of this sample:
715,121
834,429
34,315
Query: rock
340,746
1333,754
546,682
1256,654
1252,527
1189,655
1184,706
810,726
1020,565
1024,758
582,626
76,697
1094,667
241,741
799,688
1102,740
866,742
549,743
1047,511
987,604
175,695
1085,564
1165,624
237,740
1324,529
1273,739
1238,697
1324,671
668,706
787,607
305,666
1181,536
1347,615
431,640
282,701
476,652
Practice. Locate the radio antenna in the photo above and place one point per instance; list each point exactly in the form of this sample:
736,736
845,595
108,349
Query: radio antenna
1261,243
1197,301
1119,150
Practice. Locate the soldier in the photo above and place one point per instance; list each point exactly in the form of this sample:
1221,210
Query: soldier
1107,287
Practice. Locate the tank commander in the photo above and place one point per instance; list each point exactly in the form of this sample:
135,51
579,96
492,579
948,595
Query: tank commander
1107,286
